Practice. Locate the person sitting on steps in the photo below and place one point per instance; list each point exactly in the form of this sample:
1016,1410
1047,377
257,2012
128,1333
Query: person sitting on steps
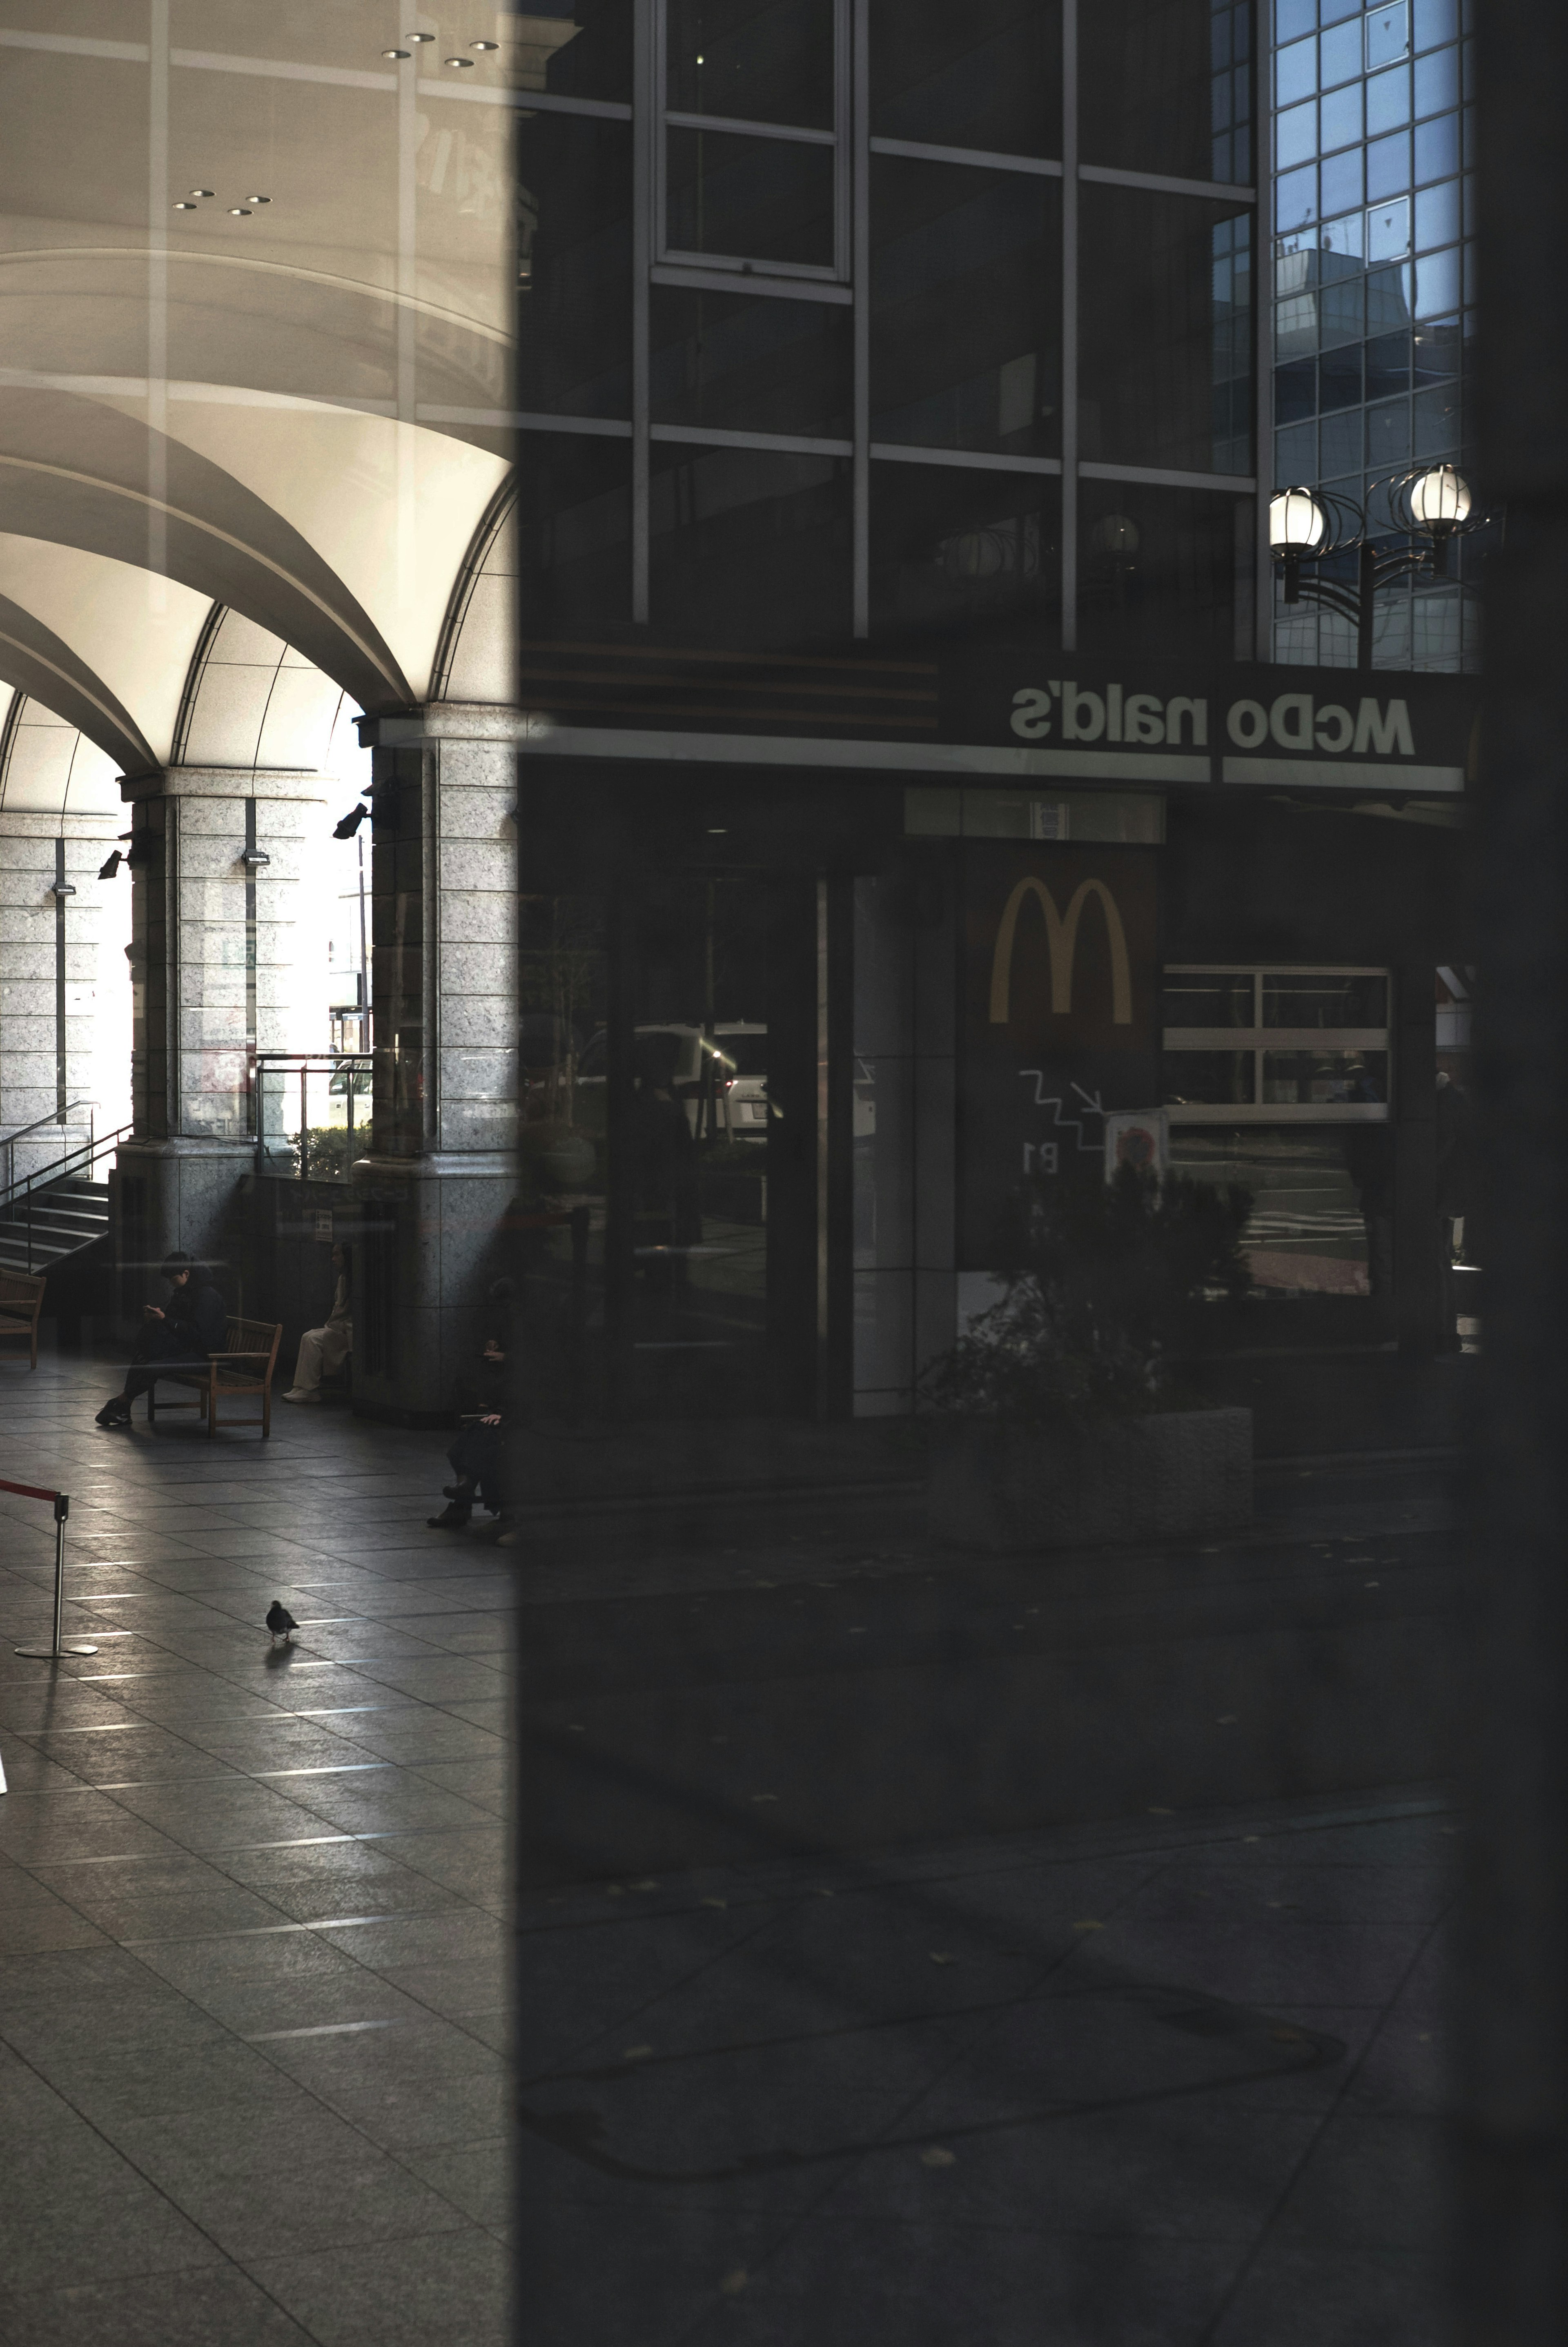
323,1351
179,1338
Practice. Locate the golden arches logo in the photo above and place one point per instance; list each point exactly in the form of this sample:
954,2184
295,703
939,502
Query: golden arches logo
1061,937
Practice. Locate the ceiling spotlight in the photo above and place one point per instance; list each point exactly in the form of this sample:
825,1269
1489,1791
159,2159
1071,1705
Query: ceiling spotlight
419,37
458,61
257,200
239,211
398,52
185,208
198,191
484,45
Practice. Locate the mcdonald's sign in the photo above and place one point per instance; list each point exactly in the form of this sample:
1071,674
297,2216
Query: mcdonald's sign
1060,973
1061,944
1061,937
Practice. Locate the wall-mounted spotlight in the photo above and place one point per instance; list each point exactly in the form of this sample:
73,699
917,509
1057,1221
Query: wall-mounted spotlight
110,865
254,858
61,890
351,823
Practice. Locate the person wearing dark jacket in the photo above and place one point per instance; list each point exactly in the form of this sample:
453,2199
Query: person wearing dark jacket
180,1337
475,1456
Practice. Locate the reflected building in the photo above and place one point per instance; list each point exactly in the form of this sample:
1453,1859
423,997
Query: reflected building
1374,292
898,400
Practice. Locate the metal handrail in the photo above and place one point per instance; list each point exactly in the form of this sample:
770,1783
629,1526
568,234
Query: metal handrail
56,1116
59,1172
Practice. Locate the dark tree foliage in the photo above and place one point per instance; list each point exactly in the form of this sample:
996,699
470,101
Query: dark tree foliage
1106,1285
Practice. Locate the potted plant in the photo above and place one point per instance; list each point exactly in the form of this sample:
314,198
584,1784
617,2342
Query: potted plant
1059,1417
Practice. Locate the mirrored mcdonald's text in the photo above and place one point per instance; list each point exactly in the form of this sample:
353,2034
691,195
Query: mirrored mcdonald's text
1360,725
1334,717
1059,1020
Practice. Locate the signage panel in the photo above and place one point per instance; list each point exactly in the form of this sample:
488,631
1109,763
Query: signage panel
1060,974
1271,725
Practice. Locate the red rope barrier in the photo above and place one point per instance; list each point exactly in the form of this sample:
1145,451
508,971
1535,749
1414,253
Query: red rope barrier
30,1490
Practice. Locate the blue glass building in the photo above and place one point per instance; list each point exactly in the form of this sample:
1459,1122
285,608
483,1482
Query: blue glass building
1374,287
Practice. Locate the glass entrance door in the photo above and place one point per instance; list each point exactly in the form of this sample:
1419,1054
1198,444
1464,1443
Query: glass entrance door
711,1121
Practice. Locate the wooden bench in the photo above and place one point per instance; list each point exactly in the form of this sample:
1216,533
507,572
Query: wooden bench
245,1342
20,1301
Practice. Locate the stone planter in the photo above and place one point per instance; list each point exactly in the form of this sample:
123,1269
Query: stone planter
998,1486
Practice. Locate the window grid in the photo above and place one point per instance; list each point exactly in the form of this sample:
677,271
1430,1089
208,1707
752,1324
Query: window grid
656,262
1352,1060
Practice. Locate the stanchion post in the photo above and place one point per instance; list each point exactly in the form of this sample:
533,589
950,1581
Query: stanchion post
61,1646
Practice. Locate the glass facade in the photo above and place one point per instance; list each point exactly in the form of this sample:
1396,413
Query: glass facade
831,278
1373,291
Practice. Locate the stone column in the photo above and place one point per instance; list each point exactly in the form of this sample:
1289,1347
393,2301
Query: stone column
433,1192
53,968
214,951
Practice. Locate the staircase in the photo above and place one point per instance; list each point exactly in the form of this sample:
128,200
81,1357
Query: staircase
64,1217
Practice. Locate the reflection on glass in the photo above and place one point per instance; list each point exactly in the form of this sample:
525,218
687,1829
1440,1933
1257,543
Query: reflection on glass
574,524
751,199
1165,587
1324,999
750,365
1194,1077
753,60
1167,88
966,308
1167,365
585,51
955,548
988,74
749,546
312,1114
1308,1233
563,1145
574,265
1207,998
1323,1079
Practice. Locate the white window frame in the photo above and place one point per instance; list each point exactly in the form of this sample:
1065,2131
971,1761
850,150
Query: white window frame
1257,1039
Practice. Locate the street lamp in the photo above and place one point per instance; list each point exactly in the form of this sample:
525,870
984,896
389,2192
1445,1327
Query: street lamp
1427,508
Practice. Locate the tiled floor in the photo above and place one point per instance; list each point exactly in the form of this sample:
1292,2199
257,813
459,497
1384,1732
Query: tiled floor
1173,2082
253,1920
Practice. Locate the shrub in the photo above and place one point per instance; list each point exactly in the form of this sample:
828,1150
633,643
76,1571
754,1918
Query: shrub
1106,1279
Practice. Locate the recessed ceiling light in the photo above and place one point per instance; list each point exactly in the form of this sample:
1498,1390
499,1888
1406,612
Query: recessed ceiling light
457,61
484,45
419,37
257,200
239,211
198,191
185,208
398,52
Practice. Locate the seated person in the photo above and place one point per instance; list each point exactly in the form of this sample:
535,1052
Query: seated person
324,1351
477,1455
180,1337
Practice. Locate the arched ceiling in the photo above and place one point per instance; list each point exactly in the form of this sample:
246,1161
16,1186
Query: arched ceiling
302,413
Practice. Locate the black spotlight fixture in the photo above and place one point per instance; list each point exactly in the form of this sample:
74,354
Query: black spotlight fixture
351,823
107,870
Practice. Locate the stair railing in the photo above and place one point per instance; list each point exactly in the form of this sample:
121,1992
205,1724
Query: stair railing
8,1139
75,1162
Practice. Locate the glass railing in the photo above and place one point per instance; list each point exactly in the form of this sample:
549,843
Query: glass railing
312,1113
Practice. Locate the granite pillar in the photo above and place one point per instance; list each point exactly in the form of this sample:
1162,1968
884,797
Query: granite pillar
432,1195
217,854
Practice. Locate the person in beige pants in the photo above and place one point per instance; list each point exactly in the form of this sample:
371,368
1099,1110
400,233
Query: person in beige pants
323,1351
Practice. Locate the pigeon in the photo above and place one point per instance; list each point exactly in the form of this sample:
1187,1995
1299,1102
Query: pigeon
280,1621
